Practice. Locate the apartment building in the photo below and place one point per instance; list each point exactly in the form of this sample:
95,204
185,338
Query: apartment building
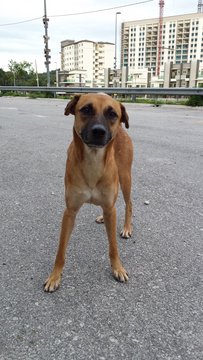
182,42
86,60
174,75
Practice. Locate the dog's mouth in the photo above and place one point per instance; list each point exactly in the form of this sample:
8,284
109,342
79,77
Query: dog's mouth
95,146
97,143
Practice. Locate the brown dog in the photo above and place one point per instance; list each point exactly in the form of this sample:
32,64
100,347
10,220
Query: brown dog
99,157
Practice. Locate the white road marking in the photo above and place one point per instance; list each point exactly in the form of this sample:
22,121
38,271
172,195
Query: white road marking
7,108
40,116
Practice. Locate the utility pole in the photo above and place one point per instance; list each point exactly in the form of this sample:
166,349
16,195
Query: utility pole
37,77
46,45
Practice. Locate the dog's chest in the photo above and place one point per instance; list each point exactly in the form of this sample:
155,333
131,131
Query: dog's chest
93,166
93,170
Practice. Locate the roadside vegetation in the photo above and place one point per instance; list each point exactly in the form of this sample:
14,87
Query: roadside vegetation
156,101
23,74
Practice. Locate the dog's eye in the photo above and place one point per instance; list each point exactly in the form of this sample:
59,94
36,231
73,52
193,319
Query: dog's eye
87,110
112,114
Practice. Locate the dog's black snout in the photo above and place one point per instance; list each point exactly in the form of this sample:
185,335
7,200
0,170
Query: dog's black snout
98,130
96,134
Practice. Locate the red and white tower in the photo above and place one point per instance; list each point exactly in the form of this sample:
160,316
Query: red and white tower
160,32
200,6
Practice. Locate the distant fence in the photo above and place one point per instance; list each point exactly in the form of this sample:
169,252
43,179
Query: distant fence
117,90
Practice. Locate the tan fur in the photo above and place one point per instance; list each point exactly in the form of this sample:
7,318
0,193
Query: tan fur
93,175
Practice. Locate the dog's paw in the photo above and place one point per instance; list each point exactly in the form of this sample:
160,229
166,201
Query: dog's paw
126,233
99,219
52,283
120,274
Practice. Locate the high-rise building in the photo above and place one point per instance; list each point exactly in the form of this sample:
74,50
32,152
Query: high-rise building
182,42
87,59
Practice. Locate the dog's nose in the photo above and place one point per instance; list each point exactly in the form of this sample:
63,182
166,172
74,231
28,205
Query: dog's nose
98,130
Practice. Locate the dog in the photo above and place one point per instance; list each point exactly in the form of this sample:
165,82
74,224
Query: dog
99,158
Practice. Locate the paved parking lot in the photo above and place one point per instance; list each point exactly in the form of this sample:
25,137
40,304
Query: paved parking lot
158,313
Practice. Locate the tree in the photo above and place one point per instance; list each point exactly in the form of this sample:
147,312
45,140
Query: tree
21,71
2,77
23,74
6,78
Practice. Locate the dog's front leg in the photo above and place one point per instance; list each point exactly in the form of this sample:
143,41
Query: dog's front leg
54,279
119,272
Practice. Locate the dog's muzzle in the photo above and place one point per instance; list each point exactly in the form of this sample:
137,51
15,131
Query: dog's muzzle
96,135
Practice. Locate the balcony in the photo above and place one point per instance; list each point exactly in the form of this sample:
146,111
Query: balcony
179,77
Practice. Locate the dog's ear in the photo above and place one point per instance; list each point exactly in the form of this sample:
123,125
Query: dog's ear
70,107
124,116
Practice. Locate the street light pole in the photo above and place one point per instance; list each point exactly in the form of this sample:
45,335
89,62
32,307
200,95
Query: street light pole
46,39
36,72
57,75
115,55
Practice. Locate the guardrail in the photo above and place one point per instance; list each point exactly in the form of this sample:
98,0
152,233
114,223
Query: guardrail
117,90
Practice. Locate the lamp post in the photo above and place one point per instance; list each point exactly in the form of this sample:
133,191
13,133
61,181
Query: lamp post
37,77
57,75
115,56
46,39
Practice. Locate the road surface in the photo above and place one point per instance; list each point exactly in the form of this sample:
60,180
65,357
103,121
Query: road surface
158,313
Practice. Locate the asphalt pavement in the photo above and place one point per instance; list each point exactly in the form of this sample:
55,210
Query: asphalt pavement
158,313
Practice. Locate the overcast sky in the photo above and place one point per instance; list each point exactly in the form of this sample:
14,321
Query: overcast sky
25,41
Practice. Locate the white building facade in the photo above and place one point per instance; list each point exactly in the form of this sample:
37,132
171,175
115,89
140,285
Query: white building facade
182,42
89,57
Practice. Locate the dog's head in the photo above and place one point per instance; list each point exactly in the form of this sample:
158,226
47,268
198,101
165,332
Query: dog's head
97,117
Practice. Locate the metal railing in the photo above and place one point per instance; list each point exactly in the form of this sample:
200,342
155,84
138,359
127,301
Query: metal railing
110,90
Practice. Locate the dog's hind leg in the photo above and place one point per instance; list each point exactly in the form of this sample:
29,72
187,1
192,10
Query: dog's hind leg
124,159
99,219
125,182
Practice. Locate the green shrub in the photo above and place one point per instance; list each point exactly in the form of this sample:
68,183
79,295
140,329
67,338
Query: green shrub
37,94
195,100
11,93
